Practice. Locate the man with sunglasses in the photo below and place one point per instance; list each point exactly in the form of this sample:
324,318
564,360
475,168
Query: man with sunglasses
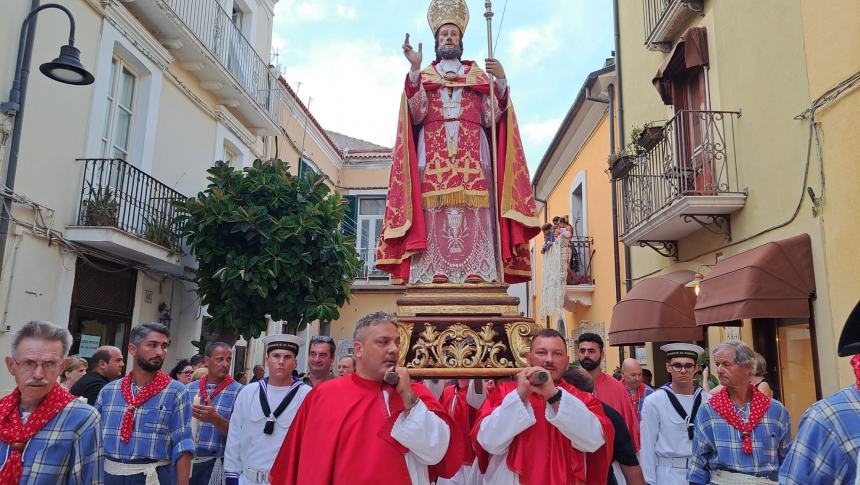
320,358
668,416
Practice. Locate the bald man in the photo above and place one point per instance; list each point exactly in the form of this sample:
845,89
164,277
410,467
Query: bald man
631,376
106,364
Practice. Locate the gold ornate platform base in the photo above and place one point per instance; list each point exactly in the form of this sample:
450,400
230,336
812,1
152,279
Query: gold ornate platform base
462,331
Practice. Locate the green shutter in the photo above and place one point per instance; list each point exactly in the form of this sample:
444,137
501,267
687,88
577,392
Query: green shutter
303,168
350,221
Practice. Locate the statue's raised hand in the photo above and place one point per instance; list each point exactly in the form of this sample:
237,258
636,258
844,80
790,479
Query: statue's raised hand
412,55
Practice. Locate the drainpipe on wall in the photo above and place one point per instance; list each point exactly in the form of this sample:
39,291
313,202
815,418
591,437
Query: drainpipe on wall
545,220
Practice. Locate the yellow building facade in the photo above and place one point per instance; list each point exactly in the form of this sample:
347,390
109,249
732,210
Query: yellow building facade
724,191
572,181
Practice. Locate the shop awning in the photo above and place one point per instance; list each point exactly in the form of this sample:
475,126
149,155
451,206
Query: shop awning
775,280
690,51
657,309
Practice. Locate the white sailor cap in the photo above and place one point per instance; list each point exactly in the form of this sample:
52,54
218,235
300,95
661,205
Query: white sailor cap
283,341
690,351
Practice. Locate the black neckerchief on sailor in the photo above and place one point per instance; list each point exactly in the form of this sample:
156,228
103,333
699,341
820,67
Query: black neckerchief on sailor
269,427
690,420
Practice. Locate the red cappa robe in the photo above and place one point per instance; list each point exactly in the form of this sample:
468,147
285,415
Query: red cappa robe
541,454
342,435
464,417
404,232
613,393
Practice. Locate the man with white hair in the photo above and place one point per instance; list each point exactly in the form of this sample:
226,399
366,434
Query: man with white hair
637,391
46,434
742,435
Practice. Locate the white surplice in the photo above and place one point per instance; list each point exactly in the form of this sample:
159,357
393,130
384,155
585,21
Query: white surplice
665,444
467,474
513,416
425,435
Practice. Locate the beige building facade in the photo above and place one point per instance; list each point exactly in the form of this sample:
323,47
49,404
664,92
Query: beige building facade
729,181
178,86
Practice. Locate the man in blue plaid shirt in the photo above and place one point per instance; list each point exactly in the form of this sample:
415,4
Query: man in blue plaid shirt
828,439
50,434
721,452
213,397
159,444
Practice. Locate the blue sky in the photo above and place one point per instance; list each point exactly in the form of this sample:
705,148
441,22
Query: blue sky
346,55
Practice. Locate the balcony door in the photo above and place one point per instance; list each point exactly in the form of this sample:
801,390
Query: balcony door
370,214
693,136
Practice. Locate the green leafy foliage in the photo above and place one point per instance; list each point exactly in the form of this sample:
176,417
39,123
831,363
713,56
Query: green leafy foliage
269,242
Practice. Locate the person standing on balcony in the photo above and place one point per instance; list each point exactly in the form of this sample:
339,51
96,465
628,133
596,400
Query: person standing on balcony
631,376
146,417
441,217
320,358
741,435
212,399
606,388
46,434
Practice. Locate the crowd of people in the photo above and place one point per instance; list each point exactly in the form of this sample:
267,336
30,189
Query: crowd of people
553,423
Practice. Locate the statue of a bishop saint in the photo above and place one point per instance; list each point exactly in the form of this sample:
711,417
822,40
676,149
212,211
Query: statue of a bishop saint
444,219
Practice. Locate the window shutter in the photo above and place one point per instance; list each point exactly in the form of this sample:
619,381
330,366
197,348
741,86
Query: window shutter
350,222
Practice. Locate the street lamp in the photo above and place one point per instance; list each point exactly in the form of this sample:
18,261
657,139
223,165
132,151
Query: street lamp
66,68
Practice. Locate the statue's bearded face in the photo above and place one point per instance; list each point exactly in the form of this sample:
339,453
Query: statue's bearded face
449,43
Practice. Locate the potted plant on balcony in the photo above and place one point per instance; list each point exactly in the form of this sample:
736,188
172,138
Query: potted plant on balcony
101,208
647,136
621,162
163,233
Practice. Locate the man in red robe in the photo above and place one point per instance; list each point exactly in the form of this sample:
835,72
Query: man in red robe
358,430
462,401
606,388
441,216
546,434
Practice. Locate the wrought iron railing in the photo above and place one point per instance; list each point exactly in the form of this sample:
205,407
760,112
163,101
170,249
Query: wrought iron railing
117,194
214,27
580,261
694,156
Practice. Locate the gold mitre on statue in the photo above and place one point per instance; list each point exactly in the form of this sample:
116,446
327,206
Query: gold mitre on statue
443,12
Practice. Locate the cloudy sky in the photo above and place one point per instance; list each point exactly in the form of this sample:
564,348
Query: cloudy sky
346,54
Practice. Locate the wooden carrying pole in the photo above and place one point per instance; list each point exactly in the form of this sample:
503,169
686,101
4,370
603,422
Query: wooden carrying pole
494,162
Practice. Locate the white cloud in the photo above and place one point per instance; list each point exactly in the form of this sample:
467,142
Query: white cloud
310,11
540,132
529,46
346,12
355,87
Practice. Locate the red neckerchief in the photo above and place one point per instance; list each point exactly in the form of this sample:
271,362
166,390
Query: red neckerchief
158,383
855,363
224,383
635,397
722,404
16,434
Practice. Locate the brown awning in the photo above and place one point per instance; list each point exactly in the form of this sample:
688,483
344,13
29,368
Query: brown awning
657,309
690,51
774,280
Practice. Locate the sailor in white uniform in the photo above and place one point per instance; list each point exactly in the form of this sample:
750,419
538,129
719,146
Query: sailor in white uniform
263,413
668,417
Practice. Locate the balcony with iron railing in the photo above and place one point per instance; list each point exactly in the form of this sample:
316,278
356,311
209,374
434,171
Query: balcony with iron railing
666,19
580,284
683,178
369,271
124,211
203,37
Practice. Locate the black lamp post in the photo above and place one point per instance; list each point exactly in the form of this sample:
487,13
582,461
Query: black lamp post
66,68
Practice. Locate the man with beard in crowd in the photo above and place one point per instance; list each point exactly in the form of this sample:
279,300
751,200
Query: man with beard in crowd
146,417
106,364
607,389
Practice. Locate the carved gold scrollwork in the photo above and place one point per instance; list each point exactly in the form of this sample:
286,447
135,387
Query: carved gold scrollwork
459,346
404,330
519,338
